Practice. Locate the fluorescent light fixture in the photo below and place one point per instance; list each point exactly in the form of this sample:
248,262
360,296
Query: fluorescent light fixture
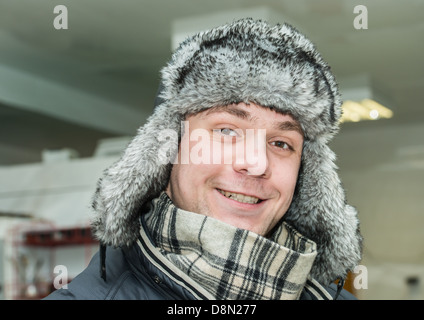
366,109
360,100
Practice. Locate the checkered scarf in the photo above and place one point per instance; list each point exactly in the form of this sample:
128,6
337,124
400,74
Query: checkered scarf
229,262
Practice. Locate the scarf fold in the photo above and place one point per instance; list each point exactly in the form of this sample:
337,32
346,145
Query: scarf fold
228,262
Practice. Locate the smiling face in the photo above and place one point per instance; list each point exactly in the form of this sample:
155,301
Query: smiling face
250,158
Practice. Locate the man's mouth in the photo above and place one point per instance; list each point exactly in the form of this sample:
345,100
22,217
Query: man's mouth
240,197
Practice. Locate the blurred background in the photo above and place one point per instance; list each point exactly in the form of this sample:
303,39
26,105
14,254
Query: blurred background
74,91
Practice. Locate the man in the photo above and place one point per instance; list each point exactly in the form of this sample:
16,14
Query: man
229,191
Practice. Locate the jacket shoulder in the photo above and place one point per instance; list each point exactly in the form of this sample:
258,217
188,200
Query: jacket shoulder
314,291
89,285
344,294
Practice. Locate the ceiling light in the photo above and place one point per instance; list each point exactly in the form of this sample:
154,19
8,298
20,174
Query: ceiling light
366,109
360,100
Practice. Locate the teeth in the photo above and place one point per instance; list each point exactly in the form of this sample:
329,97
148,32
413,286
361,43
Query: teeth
239,197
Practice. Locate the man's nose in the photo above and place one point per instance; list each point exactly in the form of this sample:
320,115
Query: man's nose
251,154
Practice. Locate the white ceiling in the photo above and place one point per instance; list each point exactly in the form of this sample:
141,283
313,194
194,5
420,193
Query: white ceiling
98,78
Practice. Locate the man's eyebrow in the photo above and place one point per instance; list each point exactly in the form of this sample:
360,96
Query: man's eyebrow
289,126
233,110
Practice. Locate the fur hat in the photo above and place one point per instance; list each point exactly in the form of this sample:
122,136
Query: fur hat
245,61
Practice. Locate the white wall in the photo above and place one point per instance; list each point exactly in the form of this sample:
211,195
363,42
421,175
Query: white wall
57,195
60,192
382,170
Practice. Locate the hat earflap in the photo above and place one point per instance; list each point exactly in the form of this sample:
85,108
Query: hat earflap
138,176
319,211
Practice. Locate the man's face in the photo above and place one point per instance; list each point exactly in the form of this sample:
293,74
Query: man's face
242,168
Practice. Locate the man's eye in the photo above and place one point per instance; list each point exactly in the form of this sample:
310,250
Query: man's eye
281,144
228,132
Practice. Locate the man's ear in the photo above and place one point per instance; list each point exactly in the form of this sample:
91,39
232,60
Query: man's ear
299,174
168,189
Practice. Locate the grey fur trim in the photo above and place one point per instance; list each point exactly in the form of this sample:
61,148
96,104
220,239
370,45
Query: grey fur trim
246,61
320,212
130,182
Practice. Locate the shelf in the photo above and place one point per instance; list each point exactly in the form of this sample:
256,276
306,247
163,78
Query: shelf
59,237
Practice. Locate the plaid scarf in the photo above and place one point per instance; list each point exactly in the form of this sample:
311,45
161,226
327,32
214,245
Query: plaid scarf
228,262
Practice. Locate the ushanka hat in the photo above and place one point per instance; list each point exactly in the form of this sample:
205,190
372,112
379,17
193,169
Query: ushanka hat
245,61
